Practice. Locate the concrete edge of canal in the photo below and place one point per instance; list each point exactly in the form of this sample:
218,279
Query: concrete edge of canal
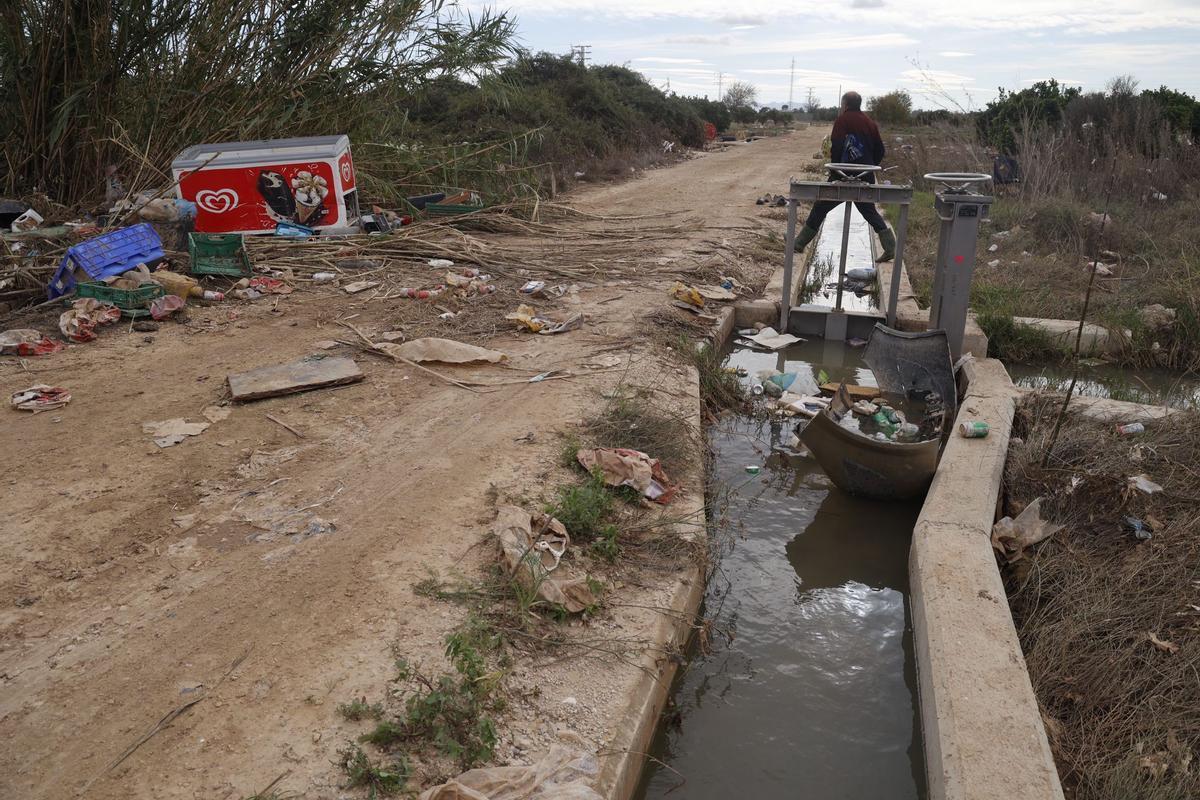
621,773
982,728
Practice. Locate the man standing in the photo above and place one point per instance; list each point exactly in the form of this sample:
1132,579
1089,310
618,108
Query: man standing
855,140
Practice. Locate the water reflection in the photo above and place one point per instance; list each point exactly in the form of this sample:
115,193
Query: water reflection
809,690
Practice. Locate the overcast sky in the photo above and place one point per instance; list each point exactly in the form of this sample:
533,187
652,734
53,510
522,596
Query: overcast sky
931,47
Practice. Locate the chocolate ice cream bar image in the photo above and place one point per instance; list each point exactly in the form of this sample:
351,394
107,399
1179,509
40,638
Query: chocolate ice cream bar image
278,194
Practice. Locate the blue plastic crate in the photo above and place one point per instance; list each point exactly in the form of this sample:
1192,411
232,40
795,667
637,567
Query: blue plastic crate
104,255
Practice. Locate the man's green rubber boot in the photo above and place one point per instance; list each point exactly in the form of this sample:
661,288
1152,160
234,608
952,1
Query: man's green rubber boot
887,241
803,237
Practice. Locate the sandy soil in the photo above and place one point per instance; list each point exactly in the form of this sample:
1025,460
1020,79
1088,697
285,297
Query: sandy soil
135,578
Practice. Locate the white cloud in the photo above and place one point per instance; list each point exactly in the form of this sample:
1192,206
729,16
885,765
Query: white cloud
954,54
667,60
866,4
742,20
698,39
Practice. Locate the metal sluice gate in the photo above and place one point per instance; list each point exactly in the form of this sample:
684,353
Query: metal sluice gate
959,207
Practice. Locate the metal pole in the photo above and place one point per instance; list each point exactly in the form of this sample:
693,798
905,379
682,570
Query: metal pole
789,254
897,265
845,246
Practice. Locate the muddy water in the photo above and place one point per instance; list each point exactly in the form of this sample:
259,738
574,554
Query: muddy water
808,688
1118,383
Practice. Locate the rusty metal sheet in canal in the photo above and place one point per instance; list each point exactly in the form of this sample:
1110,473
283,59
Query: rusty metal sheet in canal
808,688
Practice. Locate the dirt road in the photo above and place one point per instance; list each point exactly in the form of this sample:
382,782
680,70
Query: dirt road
268,576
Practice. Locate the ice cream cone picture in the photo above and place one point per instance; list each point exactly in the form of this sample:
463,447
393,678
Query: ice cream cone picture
277,195
310,192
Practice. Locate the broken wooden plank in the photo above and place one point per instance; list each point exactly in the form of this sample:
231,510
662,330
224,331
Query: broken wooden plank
297,376
855,392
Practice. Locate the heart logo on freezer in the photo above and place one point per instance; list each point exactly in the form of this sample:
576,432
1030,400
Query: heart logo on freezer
346,171
218,201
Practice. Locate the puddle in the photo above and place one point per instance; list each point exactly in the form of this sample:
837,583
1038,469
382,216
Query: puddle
1150,386
809,687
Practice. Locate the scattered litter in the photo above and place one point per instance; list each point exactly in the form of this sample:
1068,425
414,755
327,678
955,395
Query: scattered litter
145,326
447,351
27,221
269,285
993,247
447,315
536,557
545,376
165,306
215,414
528,318
864,408
78,323
772,340
1162,644
324,277
40,397
856,342
560,774
296,376
359,286
1012,537
625,467
753,469
973,429
1138,528
995,262
1144,485
715,293
687,294
27,342
1131,428
533,287
861,274
440,263
171,432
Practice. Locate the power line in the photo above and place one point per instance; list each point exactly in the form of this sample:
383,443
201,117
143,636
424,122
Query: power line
811,100
720,85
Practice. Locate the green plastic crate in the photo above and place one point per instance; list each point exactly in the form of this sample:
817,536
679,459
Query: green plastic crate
132,302
218,254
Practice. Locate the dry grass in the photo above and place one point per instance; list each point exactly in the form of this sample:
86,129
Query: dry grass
1110,625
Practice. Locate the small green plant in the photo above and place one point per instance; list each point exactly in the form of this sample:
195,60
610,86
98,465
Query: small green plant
719,388
606,545
449,712
569,451
359,709
582,508
379,780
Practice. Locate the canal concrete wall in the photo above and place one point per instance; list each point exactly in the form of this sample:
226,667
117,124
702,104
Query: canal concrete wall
1096,339
983,732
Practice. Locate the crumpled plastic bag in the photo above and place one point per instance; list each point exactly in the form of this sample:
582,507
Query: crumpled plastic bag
533,548
27,342
40,397
447,351
687,294
171,432
165,306
270,286
79,322
527,317
560,774
624,467
1012,537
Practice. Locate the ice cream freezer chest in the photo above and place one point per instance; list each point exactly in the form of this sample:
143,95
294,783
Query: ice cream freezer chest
250,187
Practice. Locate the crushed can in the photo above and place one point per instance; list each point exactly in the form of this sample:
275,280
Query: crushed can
973,429
1131,428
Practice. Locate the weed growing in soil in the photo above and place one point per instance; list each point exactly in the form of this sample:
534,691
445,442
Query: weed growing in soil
583,508
360,709
718,389
379,780
632,420
447,714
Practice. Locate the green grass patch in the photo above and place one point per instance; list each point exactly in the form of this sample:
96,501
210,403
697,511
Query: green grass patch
583,508
379,779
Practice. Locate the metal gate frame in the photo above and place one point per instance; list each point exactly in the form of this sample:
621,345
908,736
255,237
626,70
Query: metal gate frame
847,192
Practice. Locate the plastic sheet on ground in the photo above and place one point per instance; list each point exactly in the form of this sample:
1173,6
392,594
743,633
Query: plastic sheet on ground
561,774
27,342
40,397
624,467
79,322
533,548
1012,537
171,432
446,351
